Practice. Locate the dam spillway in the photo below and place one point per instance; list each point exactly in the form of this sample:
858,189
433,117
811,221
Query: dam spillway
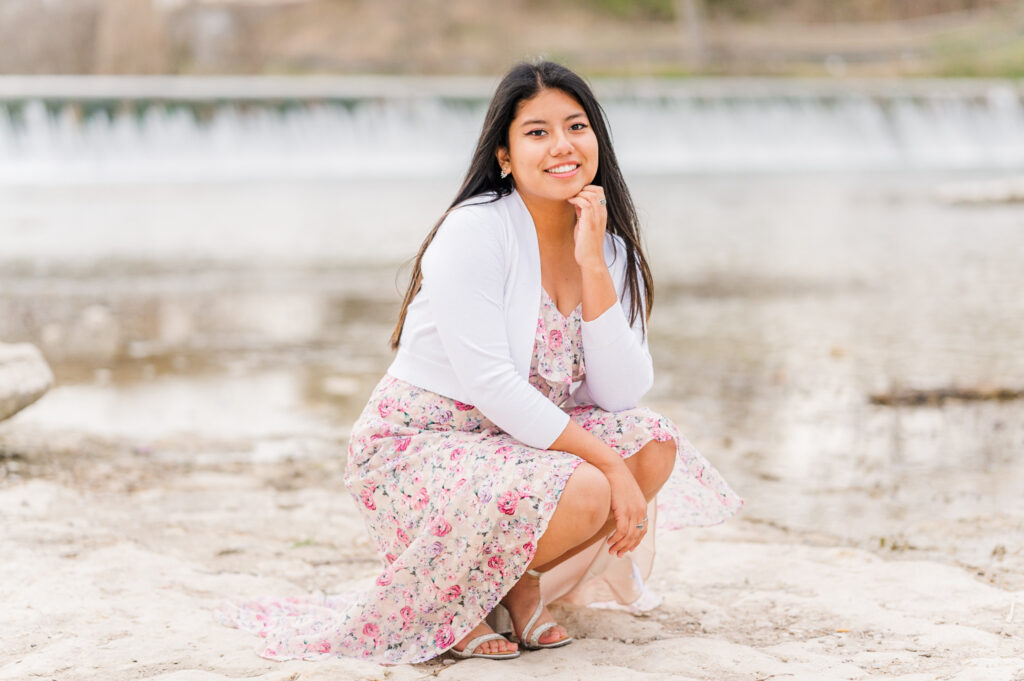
73,129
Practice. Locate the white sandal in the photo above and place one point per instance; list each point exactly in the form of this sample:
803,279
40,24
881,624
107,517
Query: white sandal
531,641
469,650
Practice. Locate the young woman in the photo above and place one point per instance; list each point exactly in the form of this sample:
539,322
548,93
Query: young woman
503,461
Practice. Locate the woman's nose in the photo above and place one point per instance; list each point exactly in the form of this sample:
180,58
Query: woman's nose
560,145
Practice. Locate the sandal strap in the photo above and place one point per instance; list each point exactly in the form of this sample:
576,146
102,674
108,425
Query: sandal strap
528,629
532,632
540,631
479,640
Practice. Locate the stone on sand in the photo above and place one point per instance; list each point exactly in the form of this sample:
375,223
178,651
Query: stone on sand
24,377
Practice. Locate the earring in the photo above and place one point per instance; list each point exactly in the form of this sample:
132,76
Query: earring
505,172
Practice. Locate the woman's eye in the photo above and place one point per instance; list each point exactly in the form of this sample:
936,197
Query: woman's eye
578,126
537,133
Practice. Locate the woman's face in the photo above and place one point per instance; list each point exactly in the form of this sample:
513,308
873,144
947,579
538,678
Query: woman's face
552,150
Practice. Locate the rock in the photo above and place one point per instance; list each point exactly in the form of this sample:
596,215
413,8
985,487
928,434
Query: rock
24,377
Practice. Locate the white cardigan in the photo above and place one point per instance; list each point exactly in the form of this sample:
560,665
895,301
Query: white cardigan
469,332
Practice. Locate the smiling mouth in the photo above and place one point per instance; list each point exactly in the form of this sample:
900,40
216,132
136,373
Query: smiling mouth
563,169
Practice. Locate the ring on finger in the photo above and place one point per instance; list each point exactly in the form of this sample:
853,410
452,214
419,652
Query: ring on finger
602,202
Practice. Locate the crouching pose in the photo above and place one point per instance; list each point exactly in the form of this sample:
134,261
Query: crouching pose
502,462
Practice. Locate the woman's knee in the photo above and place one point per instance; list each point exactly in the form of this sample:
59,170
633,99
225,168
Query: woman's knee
654,463
589,493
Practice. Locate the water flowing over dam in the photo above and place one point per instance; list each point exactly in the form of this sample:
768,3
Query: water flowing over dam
117,129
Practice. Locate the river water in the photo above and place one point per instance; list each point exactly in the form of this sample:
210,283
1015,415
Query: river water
249,317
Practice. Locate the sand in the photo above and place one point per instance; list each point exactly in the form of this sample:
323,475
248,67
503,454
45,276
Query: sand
203,462
115,557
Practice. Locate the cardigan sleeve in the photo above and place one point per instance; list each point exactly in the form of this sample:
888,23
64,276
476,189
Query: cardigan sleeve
464,279
619,370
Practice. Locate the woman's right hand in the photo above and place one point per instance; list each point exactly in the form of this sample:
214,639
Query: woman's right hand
629,508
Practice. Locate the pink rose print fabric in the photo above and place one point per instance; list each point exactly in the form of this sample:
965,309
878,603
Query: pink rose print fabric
455,507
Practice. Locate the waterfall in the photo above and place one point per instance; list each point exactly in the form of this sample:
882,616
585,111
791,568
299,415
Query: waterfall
86,129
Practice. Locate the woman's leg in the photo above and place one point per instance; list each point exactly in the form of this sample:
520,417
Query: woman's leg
581,510
651,466
583,517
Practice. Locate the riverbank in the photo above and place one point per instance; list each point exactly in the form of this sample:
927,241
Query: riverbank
212,344
115,557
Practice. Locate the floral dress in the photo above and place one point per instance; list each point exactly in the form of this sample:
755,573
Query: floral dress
455,507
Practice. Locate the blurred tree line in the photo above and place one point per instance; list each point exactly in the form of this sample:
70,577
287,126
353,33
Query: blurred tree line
613,37
811,11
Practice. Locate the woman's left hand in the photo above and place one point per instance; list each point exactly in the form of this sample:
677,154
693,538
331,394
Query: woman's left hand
591,219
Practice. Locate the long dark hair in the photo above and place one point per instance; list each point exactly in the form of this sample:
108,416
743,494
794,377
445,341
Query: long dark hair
523,82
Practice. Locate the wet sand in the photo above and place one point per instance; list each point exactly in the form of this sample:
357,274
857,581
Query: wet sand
193,448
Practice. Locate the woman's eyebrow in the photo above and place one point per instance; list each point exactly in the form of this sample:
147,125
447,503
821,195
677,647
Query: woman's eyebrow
538,121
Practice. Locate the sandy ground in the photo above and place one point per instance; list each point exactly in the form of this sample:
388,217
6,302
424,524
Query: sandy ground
115,555
876,541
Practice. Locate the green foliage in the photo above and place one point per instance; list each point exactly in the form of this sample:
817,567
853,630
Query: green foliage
736,9
828,11
970,59
638,9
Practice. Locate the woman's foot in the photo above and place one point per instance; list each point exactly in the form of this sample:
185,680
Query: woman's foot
521,602
496,647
